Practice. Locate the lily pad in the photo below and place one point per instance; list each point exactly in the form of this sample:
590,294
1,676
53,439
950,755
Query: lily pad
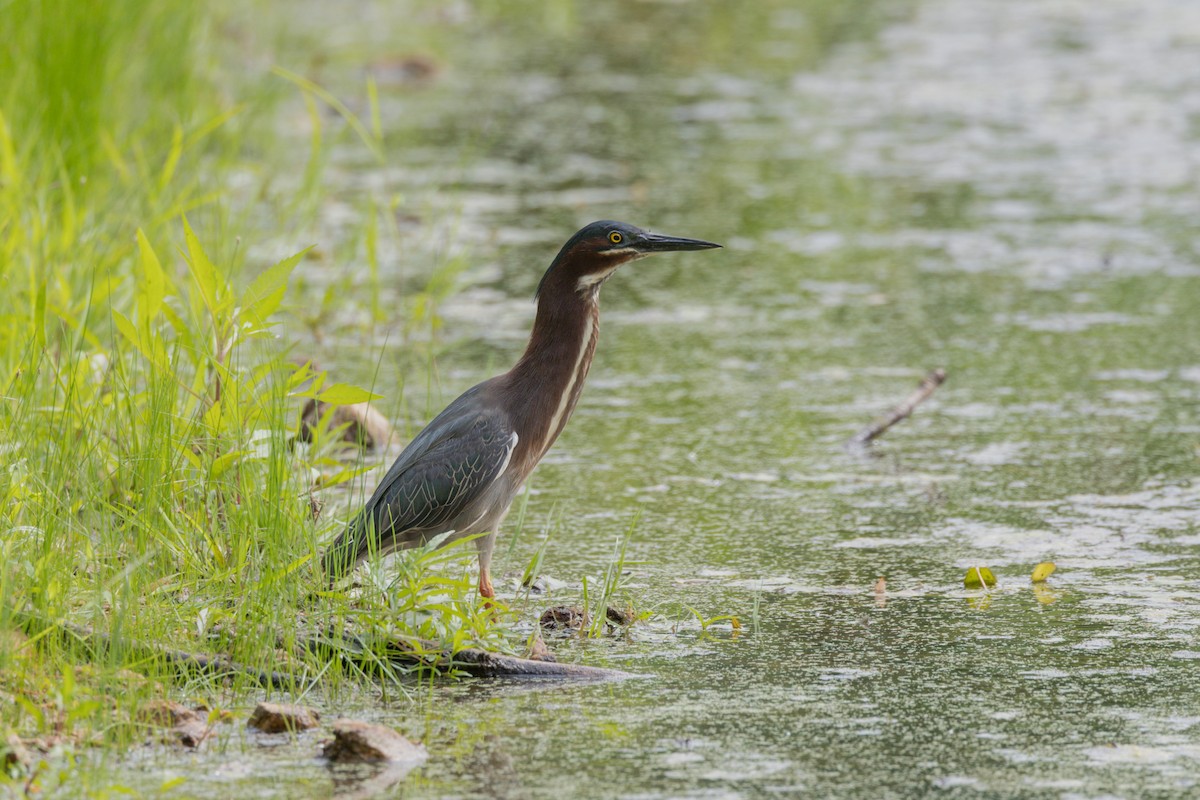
979,578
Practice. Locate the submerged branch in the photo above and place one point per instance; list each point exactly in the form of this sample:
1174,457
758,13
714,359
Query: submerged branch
928,386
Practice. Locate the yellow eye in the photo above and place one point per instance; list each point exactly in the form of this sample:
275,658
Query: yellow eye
615,237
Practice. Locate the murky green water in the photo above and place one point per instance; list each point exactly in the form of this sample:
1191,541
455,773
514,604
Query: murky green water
1006,190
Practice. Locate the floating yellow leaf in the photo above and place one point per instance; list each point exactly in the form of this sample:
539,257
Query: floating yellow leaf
978,578
1042,571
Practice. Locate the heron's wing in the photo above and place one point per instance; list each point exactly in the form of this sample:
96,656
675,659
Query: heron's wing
445,479
439,475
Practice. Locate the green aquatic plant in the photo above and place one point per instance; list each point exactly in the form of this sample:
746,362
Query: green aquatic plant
735,623
612,587
152,500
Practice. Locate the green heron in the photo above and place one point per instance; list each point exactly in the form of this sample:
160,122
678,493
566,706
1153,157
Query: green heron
461,473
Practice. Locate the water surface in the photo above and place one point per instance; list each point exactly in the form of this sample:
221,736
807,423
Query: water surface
1005,190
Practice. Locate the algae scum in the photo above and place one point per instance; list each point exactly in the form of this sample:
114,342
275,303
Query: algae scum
1006,190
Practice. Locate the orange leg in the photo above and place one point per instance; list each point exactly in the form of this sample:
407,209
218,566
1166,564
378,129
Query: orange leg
485,587
484,545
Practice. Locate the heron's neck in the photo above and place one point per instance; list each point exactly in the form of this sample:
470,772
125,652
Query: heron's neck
545,384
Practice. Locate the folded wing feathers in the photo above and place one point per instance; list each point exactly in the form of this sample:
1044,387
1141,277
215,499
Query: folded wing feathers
443,476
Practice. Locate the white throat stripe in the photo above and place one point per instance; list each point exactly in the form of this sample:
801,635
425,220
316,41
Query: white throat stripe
594,279
584,343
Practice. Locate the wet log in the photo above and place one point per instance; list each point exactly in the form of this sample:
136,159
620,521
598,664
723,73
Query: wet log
402,654
423,655
483,664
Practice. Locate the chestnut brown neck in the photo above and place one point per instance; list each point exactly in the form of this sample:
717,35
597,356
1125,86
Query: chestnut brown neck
547,381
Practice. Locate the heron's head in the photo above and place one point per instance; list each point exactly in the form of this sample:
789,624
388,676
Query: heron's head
594,253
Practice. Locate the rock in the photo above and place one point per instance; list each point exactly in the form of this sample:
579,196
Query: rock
574,617
354,741
538,651
364,426
190,733
186,726
617,617
562,617
166,713
282,718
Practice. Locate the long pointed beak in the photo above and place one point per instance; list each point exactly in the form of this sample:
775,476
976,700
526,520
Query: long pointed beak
656,243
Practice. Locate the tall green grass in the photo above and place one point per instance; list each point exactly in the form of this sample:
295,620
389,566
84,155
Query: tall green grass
149,490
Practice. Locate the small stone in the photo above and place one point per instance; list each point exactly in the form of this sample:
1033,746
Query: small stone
538,651
560,617
354,741
187,726
189,733
574,617
282,718
166,713
617,617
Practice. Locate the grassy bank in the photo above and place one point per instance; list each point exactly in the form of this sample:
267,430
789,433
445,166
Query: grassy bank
150,494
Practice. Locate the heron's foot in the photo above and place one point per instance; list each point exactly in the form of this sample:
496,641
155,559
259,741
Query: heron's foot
485,589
